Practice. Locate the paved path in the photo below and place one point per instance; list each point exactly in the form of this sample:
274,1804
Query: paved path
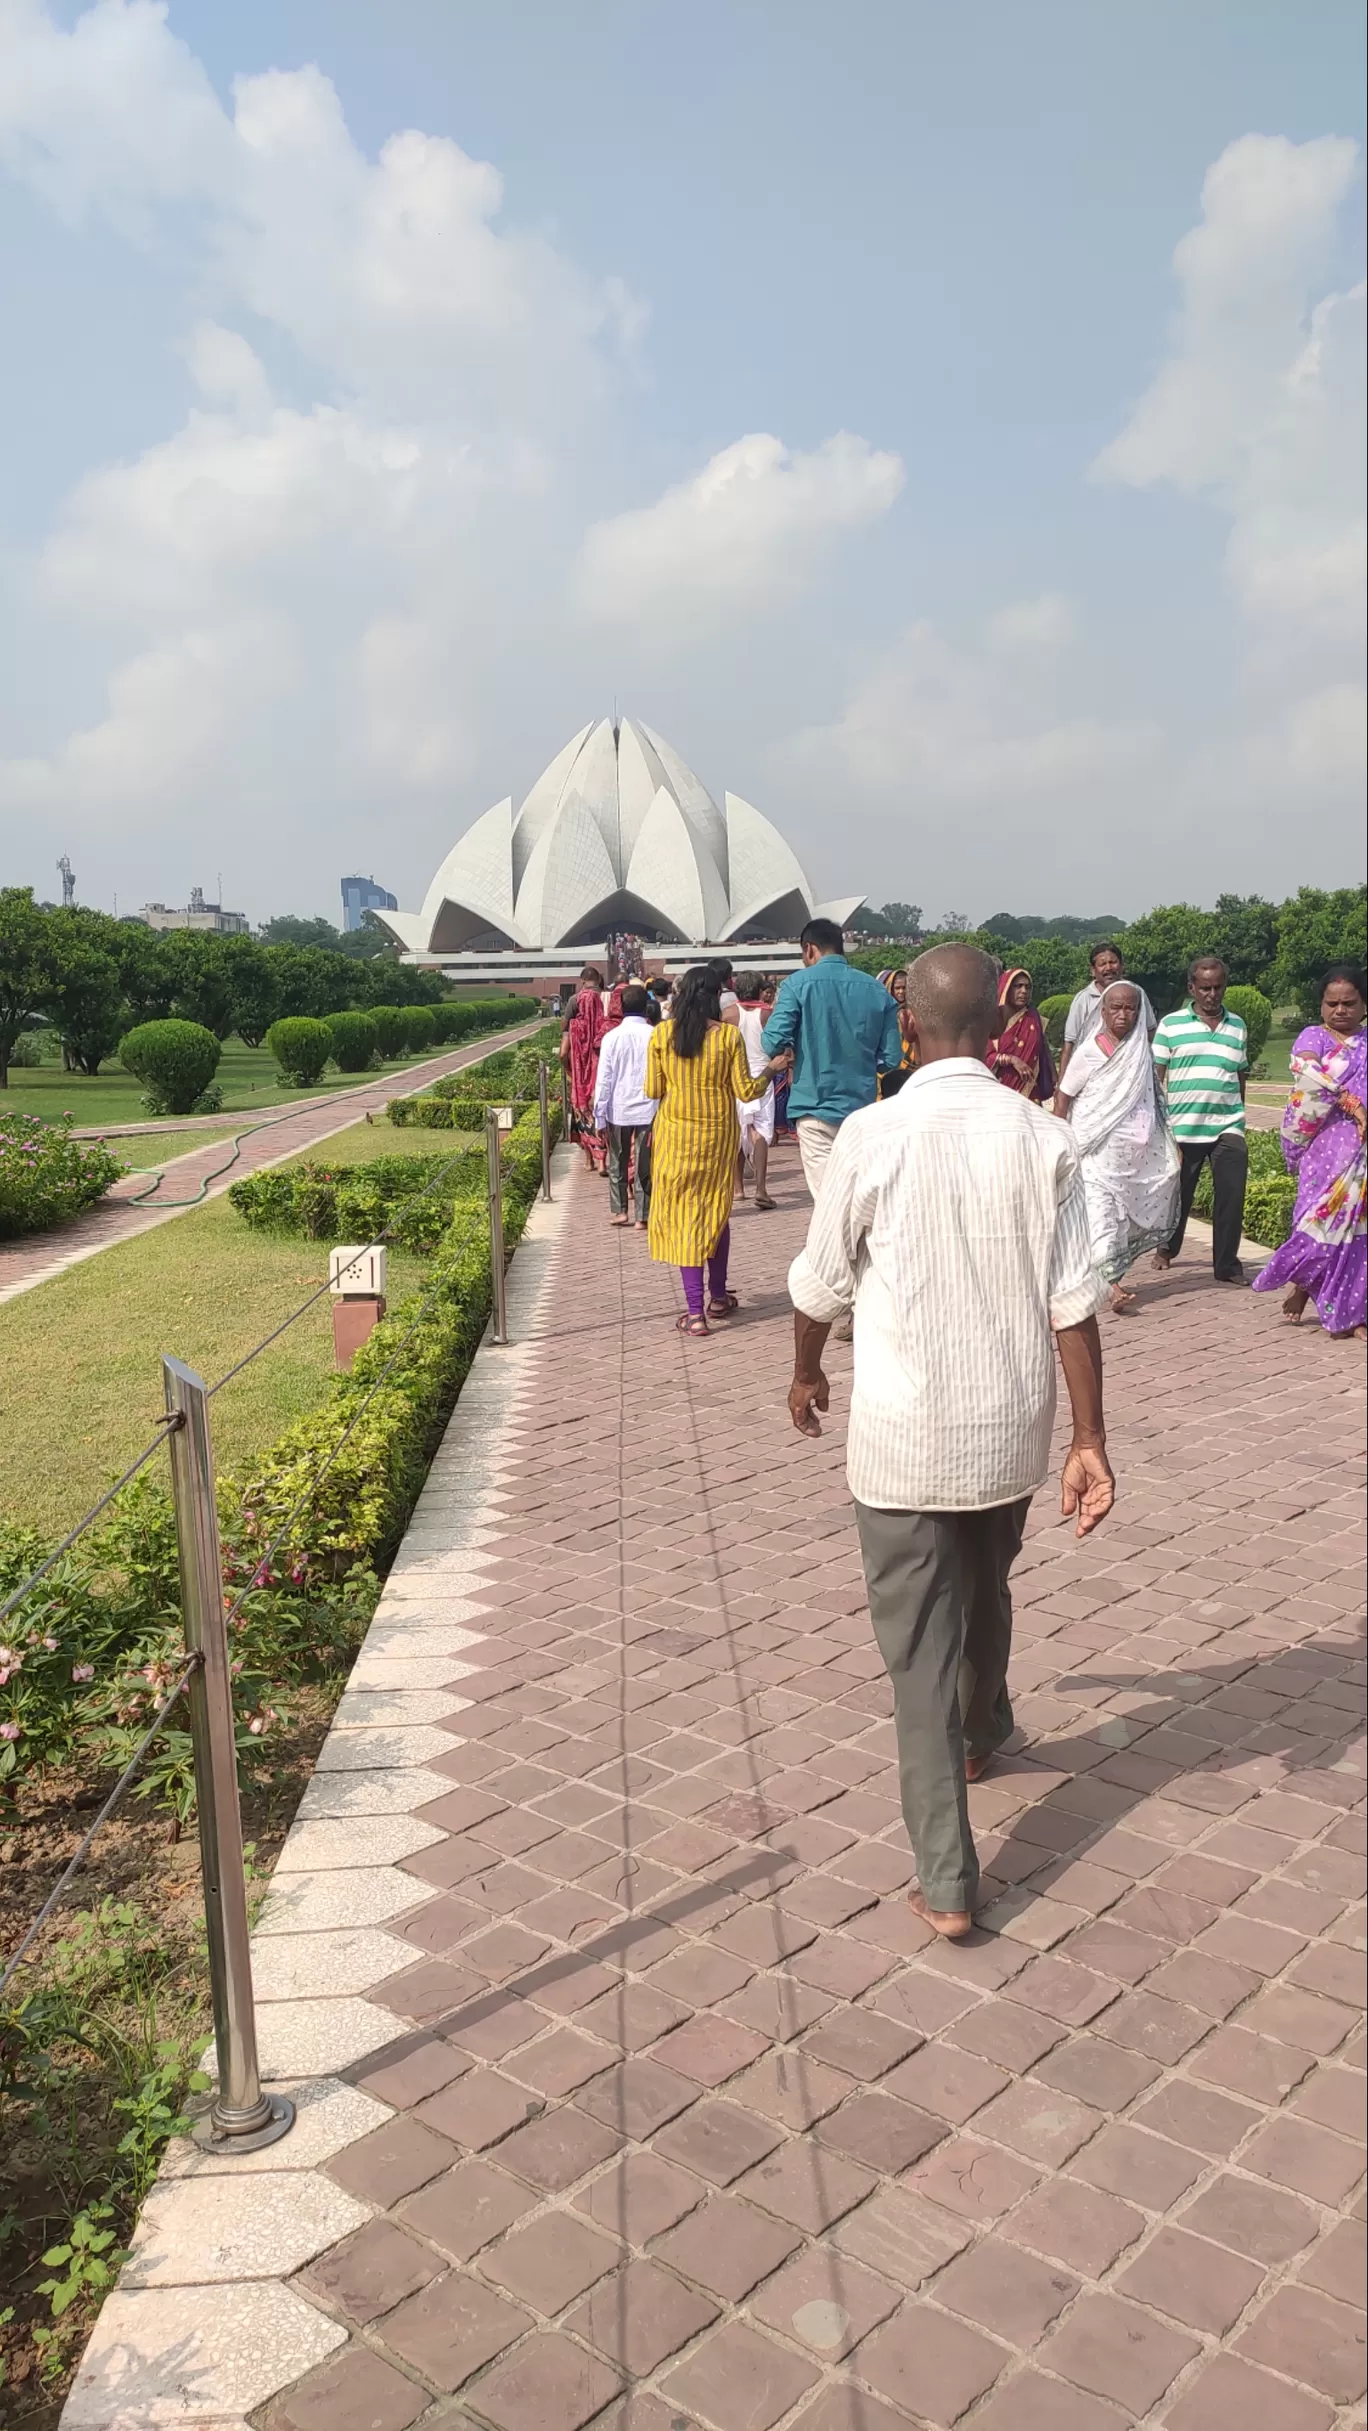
635,2095
306,1124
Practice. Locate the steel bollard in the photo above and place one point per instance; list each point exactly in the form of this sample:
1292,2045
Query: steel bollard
498,1278
544,1109
241,2117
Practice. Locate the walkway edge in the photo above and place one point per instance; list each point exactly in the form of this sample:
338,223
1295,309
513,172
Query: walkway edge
200,2326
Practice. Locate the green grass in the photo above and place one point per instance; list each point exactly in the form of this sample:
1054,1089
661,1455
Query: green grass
1278,1049
246,1075
147,1151
80,1357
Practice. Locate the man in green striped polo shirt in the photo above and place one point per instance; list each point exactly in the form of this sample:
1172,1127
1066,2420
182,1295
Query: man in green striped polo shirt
1202,1057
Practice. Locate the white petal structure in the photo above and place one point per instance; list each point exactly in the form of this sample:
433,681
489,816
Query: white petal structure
618,833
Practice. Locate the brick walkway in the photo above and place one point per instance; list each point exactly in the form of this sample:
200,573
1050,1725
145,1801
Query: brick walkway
658,2108
38,1257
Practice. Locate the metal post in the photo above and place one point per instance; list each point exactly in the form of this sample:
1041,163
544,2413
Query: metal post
544,1109
242,2118
498,1280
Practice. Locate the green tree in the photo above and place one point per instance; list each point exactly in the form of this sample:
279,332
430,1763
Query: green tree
254,988
145,968
86,1003
289,928
1056,967
902,919
314,983
1316,928
1159,946
1247,937
29,966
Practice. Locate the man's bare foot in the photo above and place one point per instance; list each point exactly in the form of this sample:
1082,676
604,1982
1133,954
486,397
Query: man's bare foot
617,1220
1162,1261
952,1924
1122,1300
1294,1306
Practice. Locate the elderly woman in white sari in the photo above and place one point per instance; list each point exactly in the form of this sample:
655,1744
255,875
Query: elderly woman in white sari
1130,1160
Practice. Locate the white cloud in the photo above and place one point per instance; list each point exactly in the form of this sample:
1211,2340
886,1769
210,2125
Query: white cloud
741,533
1258,408
1044,623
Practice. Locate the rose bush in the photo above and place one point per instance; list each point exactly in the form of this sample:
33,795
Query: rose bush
46,1176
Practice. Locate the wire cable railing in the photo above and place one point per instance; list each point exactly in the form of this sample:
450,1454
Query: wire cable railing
243,2117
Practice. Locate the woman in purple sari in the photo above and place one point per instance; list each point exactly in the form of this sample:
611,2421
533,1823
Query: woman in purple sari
1325,1257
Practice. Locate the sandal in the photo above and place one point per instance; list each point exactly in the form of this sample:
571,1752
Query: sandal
727,1306
697,1326
766,1203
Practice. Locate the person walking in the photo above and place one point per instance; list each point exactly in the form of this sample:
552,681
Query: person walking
756,1117
895,985
1201,1054
581,1037
1130,1157
696,1069
1084,1017
1020,1054
1325,1257
843,1031
954,1223
623,1112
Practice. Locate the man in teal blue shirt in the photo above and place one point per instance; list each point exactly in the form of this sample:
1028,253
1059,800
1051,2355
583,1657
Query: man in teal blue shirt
843,1029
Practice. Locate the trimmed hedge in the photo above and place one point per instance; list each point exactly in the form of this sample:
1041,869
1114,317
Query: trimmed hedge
356,1202
175,1061
301,1048
458,1102
1256,1013
354,1041
1054,1012
1270,1198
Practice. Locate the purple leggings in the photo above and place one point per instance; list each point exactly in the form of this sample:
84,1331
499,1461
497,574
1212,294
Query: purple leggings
692,1276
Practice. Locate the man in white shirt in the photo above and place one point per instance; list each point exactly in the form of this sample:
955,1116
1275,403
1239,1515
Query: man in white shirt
952,1219
756,1118
623,1110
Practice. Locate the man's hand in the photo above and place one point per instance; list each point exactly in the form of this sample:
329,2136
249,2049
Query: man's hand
808,1395
1087,1486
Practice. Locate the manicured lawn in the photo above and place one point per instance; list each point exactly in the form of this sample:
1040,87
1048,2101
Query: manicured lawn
246,1075
1277,1051
81,1356
148,1151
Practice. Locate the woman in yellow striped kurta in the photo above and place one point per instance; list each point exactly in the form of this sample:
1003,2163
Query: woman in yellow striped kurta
696,1068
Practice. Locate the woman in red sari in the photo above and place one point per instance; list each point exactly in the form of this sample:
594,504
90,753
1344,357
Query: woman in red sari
1020,1055
581,1039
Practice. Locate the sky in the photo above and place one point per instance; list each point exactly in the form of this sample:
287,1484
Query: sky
945,426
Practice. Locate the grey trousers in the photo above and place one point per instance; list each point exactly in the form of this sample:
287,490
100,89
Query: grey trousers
942,1614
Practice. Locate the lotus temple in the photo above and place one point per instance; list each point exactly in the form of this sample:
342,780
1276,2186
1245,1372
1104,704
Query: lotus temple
617,837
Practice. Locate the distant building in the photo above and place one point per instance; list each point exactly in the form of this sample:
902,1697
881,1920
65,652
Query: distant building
361,895
210,918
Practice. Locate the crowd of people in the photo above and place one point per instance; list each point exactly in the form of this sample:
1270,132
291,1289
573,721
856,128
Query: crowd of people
1150,1103
973,1211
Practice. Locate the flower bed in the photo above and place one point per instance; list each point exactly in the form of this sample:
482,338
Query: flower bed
46,1176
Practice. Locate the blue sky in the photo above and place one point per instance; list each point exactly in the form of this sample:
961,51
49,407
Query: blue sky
820,384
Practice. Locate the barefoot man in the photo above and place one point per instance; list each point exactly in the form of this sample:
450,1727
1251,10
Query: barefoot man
952,1220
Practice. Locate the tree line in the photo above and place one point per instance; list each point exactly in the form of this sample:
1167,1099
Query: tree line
92,978
1283,949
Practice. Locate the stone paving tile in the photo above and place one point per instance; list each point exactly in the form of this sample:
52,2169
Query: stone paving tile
683,2115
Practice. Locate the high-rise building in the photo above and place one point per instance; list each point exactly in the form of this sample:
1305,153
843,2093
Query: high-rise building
363,895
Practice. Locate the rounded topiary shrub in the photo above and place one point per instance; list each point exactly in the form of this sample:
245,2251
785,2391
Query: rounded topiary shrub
174,1060
450,1022
420,1030
1256,1013
1054,1012
354,1041
301,1048
391,1028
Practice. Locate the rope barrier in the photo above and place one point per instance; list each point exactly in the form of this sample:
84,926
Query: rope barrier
164,1426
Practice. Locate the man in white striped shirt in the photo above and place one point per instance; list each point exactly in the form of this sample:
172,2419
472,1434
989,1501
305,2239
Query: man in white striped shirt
952,1220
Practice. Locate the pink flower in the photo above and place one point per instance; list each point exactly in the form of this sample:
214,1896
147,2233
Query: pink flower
83,1671
10,1731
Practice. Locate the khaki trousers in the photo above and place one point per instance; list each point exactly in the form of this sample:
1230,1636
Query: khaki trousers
815,1143
942,1614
